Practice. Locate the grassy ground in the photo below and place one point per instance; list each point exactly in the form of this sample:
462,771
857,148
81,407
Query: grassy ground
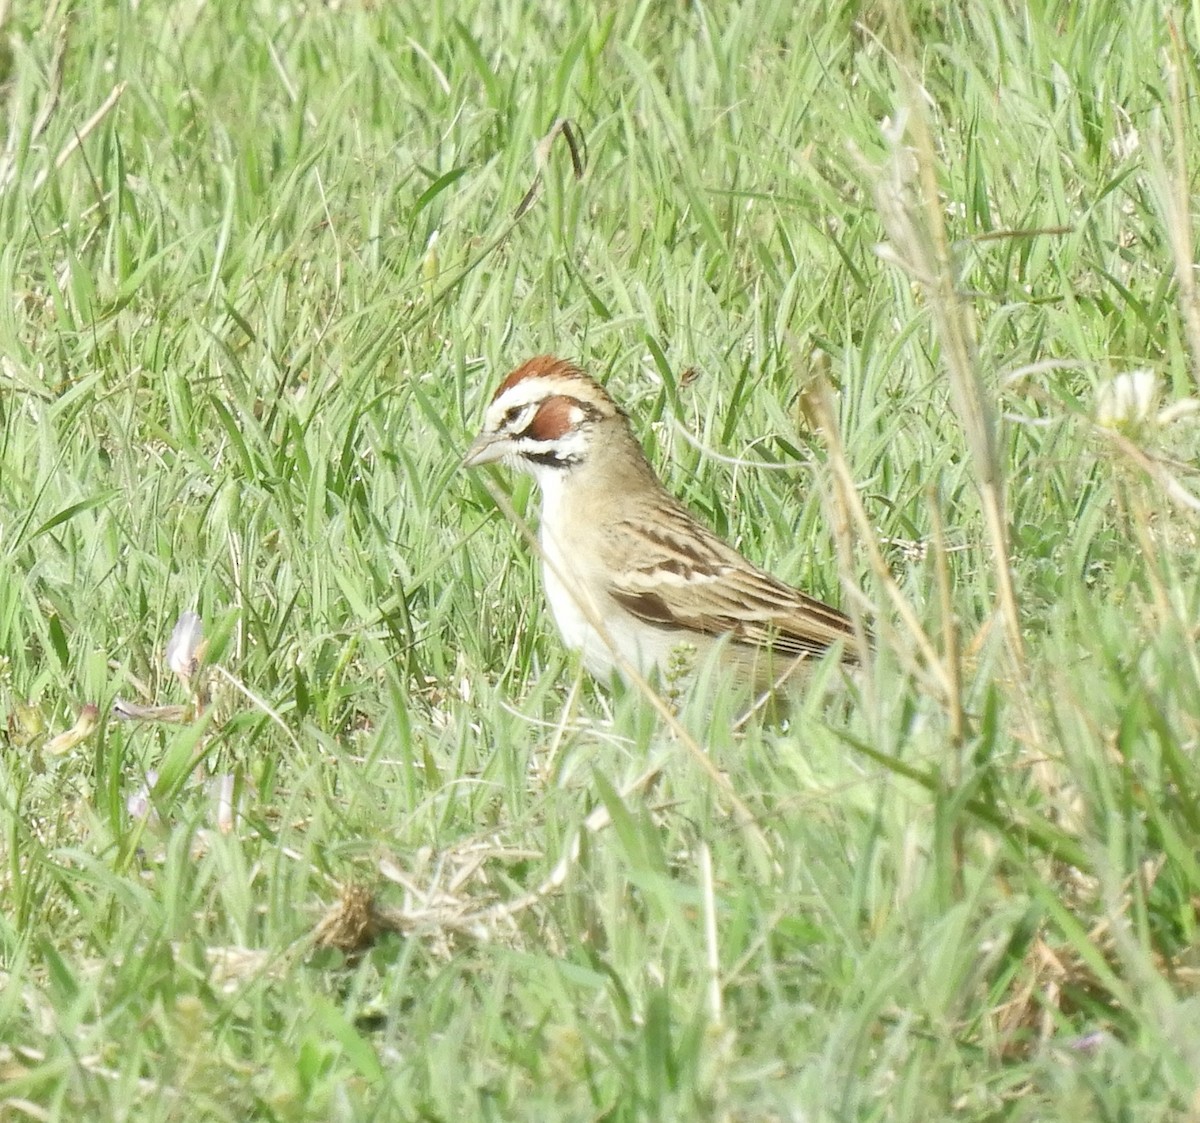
260,270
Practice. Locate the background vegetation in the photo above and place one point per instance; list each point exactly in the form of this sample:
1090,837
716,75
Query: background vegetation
260,269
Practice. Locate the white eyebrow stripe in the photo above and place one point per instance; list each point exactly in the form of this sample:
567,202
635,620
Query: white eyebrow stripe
535,390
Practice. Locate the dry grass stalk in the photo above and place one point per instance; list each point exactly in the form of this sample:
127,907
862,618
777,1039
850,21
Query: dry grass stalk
909,202
1172,190
853,528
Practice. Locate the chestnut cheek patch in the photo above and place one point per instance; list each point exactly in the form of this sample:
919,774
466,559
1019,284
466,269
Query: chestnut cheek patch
555,419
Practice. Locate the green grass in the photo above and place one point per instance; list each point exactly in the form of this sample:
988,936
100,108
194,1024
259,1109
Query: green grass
237,377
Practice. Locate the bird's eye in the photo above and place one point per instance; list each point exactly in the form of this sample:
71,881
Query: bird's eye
517,418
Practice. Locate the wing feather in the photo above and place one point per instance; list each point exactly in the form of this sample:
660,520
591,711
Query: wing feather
691,581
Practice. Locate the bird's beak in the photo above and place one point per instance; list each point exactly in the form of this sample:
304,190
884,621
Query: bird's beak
488,447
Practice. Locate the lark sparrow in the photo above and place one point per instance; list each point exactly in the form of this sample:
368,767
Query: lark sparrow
627,569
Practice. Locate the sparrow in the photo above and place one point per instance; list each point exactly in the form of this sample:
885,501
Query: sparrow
632,577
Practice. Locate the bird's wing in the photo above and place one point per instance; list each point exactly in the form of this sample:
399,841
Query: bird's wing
687,579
